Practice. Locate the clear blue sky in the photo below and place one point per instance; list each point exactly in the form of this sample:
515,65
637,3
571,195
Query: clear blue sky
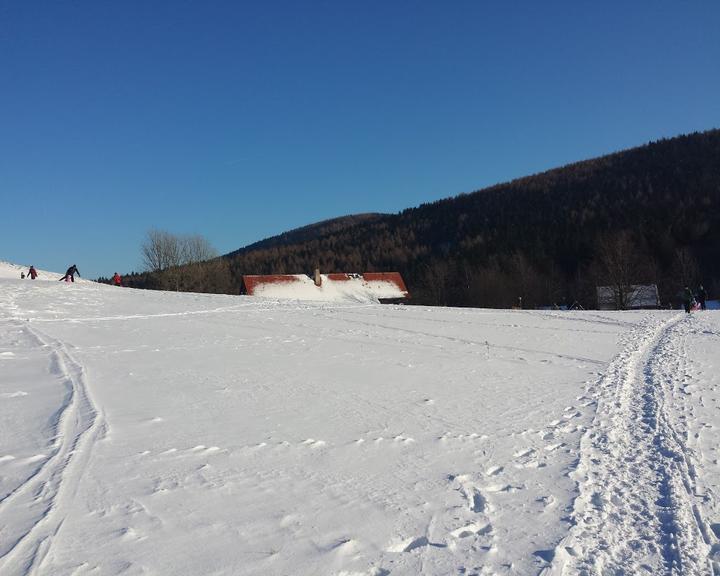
239,120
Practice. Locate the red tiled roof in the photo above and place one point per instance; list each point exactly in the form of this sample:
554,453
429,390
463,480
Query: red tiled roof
392,277
253,281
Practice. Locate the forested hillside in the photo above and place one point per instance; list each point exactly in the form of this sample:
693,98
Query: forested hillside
651,213
310,232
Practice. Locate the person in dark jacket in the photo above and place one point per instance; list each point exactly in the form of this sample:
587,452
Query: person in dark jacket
687,298
701,296
70,273
32,273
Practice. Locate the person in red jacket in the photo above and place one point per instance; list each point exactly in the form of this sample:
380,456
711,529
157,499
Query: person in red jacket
117,279
32,273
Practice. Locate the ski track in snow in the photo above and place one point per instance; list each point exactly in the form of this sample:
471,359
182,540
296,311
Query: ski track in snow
638,509
32,514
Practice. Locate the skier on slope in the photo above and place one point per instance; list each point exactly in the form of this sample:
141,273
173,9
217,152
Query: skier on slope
117,279
70,273
32,273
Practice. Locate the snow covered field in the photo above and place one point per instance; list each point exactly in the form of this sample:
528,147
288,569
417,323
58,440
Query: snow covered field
182,434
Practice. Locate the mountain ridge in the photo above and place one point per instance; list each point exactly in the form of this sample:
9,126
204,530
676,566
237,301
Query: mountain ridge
544,238
309,231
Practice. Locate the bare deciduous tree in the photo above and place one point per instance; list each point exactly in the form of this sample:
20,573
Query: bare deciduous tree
436,277
198,257
618,261
182,261
686,267
526,281
160,250
196,248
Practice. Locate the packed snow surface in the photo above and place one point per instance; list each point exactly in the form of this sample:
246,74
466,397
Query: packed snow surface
182,434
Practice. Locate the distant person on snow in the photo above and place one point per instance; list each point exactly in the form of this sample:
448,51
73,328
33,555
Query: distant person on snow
32,273
117,279
688,299
70,273
701,296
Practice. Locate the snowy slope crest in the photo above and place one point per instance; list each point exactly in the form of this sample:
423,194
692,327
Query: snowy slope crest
15,271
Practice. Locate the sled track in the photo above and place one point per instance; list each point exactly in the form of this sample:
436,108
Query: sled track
33,513
636,512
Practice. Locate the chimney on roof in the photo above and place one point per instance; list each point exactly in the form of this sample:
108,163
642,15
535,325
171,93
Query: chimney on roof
318,279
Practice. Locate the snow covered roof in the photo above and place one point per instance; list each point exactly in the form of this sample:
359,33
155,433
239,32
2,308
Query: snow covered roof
337,287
